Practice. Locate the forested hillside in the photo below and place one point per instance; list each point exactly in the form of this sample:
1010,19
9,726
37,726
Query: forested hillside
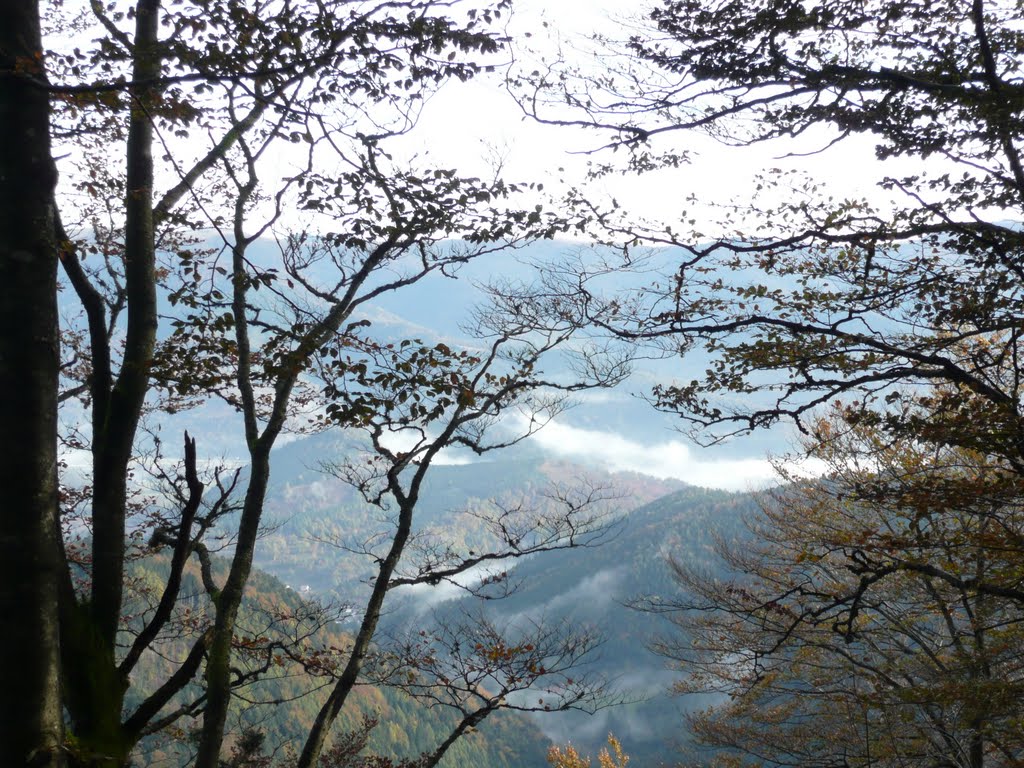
594,588
299,642
314,513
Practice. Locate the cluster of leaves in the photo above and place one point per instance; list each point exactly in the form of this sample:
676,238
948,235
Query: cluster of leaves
570,758
407,383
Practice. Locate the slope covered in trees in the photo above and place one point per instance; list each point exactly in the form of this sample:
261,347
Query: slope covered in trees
301,639
595,587
317,523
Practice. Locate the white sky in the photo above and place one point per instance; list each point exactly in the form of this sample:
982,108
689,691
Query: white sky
466,124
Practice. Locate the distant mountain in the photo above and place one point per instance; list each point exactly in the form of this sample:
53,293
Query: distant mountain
590,587
308,511
307,508
587,587
437,308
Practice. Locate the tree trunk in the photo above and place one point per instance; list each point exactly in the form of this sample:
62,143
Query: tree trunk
95,686
328,713
31,730
114,439
218,662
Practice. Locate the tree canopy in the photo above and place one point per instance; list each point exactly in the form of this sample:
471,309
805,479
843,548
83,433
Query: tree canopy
872,593
859,624
189,136
813,296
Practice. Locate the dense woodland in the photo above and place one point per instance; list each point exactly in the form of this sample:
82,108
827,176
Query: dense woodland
211,230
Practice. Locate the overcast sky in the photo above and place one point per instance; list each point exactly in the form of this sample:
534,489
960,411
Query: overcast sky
466,124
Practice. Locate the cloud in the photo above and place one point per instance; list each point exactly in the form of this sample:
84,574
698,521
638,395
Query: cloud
595,590
666,459
403,441
426,597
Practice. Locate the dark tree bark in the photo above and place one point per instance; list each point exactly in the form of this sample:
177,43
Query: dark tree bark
31,730
95,685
